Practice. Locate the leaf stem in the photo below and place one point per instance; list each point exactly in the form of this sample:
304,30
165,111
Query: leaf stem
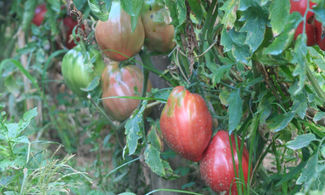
109,120
314,83
172,190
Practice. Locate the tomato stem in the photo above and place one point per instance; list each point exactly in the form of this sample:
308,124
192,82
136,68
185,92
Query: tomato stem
109,120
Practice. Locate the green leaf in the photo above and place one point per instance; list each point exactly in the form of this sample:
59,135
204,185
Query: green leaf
22,69
29,9
173,11
181,10
153,160
300,105
134,129
52,20
234,41
235,109
320,13
301,141
292,174
161,94
284,40
229,18
153,138
255,25
127,193
134,21
223,96
318,116
79,4
196,8
299,59
100,8
55,5
322,151
279,14
309,172
29,115
219,73
280,121
133,7
92,85
245,4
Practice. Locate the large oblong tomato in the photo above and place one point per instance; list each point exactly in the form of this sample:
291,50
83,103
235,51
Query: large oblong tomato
79,68
186,123
115,36
217,168
159,33
125,81
301,7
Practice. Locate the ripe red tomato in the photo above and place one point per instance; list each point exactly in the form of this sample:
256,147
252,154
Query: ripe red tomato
159,33
186,123
115,36
301,7
39,14
320,34
69,24
217,168
125,81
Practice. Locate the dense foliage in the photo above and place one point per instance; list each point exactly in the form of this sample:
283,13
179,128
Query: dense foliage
253,68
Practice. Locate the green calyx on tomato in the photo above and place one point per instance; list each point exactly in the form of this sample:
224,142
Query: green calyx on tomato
124,81
159,33
80,67
115,36
186,123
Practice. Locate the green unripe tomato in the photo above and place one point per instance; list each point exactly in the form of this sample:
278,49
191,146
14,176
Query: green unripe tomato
80,67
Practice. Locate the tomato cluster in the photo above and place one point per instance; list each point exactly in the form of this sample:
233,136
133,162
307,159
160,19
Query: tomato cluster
186,125
185,122
69,23
314,30
117,40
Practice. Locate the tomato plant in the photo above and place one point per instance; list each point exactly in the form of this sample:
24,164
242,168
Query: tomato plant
115,36
186,123
217,167
238,60
79,68
159,33
301,7
39,14
125,81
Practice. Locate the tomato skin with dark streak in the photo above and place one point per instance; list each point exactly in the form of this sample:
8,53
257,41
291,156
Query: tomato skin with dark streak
216,167
159,33
77,70
125,81
301,6
186,123
39,14
115,36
